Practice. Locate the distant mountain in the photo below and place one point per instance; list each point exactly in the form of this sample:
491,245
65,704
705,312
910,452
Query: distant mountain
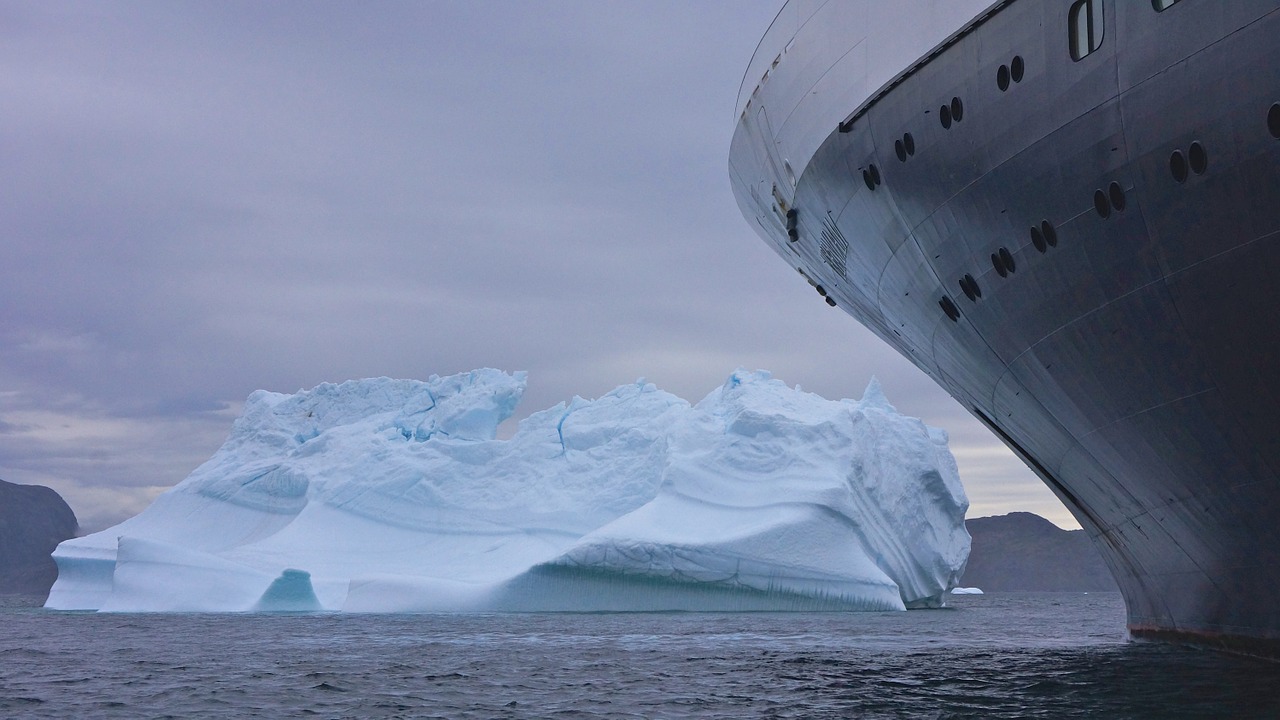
33,520
1024,552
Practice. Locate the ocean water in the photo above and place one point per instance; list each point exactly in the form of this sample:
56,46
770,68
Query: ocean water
1036,655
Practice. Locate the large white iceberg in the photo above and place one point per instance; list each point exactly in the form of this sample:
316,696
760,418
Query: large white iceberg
395,495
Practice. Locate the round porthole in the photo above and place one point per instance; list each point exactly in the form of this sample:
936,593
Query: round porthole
999,266
974,284
949,308
1101,204
875,174
1178,166
1002,78
966,289
900,151
1006,259
1050,233
1037,239
1199,158
909,143
1017,68
1116,195
866,178
957,109
944,116
1273,121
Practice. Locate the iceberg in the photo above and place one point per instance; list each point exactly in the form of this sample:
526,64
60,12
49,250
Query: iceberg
384,495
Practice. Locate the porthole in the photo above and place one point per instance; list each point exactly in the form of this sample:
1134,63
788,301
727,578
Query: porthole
1002,78
944,116
999,266
1037,239
1102,205
831,301
1017,68
1178,166
871,176
1273,121
909,143
821,290
1116,194
949,308
1199,158
968,292
1162,5
957,109
1006,259
1050,233
900,151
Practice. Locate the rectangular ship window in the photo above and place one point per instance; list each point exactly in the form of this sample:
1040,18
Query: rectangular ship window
1085,27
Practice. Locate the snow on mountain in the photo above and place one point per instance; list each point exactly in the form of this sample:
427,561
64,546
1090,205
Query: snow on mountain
394,495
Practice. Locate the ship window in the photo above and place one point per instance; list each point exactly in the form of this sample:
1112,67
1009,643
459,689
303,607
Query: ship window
1162,5
1006,259
950,309
1085,22
1017,68
871,176
1002,78
1116,194
1000,268
1050,233
1178,166
1273,121
1199,158
1102,205
1037,239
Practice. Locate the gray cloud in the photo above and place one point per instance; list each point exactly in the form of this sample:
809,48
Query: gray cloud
209,198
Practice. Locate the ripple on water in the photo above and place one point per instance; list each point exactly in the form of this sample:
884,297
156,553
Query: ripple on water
994,656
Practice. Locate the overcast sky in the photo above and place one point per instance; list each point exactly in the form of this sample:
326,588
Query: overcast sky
205,198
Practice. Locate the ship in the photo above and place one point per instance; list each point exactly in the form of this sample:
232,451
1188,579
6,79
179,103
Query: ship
1067,214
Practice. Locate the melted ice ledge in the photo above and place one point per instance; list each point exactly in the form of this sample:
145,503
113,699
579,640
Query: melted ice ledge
394,495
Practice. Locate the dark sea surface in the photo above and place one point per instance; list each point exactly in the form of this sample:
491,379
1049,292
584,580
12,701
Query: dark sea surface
1044,655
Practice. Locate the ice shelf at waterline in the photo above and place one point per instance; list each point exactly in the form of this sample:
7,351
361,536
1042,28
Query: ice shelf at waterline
395,495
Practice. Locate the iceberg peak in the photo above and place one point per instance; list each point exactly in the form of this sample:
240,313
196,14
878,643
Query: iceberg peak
874,396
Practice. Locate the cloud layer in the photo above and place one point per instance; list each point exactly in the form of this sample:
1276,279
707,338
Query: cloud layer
209,198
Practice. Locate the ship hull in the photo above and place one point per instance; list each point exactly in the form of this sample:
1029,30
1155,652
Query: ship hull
1087,258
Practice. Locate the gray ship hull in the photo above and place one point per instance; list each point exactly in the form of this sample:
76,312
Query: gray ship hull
1086,254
